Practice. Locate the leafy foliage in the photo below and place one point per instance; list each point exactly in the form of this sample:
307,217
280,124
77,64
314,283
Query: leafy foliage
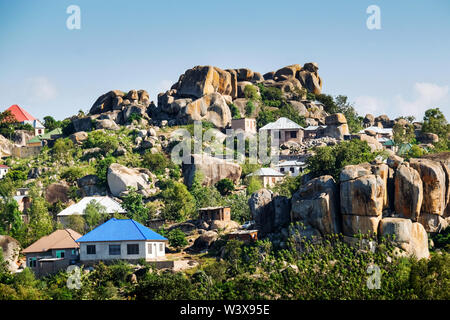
330,160
225,186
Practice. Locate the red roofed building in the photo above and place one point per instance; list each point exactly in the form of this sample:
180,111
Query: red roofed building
25,118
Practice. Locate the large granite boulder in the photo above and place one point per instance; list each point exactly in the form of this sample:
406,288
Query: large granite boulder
337,126
117,100
408,236
57,192
361,192
408,192
212,169
6,147
89,185
205,240
261,207
79,137
120,178
309,78
10,251
315,204
211,107
82,124
203,80
434,185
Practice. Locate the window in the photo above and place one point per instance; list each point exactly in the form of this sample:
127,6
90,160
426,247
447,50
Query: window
281,169
161,247
90,249
150,248
132,248
60,253
73,252
32,262
114,249
293,134
292,170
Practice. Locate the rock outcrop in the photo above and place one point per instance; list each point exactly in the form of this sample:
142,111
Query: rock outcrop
212,169
11,249
315,204
408,236
408,192
336,126
120,178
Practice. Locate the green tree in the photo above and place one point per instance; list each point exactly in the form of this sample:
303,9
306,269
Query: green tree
102,166
225,186
250,92
235,113
40,221
434,122
134,206
107,142
330,160
178,202
94,214
177,238
156,163
253,184
50,123
76,222
249,108
63,148
403,134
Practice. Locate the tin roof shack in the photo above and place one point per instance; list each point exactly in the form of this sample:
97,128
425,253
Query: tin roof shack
244,235
215,213
268,176
53,252
314,132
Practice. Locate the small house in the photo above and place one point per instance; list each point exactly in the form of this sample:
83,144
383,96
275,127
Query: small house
248,125
3,170
313,132
122,239
378,132
24,117
291,167
285,130
111,205
269,177
53,252
46,138
215,213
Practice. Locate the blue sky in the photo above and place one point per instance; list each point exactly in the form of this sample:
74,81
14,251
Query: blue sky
402,69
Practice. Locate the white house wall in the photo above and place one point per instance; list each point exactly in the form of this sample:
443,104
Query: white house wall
102,251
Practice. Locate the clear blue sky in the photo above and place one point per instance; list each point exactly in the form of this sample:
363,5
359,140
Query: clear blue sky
402,69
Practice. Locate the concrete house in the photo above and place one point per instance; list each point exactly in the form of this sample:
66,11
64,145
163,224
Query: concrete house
3,170
291,167
121,239
269,177
25,118
111,205
285,129
248,125
53,252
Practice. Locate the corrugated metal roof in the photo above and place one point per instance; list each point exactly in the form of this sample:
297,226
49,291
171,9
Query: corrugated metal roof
121,230
281,123
378,130
20,114
60,239
266,172
110,204
290,163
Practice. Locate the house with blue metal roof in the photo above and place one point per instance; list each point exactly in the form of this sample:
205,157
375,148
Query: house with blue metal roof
122,239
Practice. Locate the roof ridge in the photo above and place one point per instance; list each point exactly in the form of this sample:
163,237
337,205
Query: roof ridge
134,222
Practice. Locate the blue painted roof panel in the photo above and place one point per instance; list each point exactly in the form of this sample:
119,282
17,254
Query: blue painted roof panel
121,230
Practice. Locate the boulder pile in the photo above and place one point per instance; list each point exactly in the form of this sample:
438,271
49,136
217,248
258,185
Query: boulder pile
400,200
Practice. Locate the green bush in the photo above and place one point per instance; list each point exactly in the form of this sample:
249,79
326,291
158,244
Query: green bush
107,142
177,238
225,186
102,166
157,163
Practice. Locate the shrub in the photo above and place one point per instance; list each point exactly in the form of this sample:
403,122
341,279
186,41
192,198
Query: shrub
102,168
177,238
156,163
249,108
250,92
225,186
235,113
100,139
134,206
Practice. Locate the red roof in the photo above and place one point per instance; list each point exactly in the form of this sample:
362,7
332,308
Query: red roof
20,114
3,166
